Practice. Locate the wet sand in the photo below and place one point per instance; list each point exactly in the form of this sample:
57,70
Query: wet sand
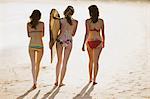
124,63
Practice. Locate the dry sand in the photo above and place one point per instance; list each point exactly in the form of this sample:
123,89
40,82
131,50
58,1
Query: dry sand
124,63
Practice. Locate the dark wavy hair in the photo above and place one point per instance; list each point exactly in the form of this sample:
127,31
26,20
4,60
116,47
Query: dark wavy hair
35,17
68,12
94,13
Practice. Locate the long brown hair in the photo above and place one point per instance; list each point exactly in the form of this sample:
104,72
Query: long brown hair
68,13
35,17
94,13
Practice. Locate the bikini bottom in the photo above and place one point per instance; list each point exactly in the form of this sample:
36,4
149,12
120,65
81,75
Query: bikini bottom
37,47
94,44
64,43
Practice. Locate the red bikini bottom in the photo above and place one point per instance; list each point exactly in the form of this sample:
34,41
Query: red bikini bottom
94,44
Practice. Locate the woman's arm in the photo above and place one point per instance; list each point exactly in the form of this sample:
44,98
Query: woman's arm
103,34
42,29
86,34
28,29
75,28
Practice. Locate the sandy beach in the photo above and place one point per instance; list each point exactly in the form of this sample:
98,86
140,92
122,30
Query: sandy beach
124,63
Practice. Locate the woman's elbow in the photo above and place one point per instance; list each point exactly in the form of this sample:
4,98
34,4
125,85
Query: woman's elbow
29,35
73,34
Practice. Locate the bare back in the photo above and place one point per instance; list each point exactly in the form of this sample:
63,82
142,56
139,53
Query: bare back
36,34
94,29
66,27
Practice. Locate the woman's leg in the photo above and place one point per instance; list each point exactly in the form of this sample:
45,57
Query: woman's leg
32,57
38,60
65,60
97,52
59,49
90,53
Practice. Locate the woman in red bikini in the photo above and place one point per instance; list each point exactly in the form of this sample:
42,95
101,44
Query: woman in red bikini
94,39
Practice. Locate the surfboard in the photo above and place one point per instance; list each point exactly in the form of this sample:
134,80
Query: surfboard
54,27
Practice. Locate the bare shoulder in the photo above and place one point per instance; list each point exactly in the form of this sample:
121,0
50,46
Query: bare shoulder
101,20
40,22
74,20
28,24
87,20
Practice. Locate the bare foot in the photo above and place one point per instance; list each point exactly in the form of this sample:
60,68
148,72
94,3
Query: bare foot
90,81
34,86
56,84
94,83
60,85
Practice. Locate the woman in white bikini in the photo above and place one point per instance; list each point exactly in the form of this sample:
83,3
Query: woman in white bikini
35,29
94,39
64,42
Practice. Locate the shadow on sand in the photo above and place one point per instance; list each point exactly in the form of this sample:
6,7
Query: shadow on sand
85,94
25,94
52,93
52,96
36,95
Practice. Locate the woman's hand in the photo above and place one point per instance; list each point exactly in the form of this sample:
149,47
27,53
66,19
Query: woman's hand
83,49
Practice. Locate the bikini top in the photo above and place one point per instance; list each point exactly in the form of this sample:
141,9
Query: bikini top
97,30
38,31
94,27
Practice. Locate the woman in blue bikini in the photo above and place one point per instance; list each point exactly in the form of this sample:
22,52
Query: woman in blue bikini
95,40
35,29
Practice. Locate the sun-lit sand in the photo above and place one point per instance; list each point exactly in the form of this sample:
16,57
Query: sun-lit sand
124,63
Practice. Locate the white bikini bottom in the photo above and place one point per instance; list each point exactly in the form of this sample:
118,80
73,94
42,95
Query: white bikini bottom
64,43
